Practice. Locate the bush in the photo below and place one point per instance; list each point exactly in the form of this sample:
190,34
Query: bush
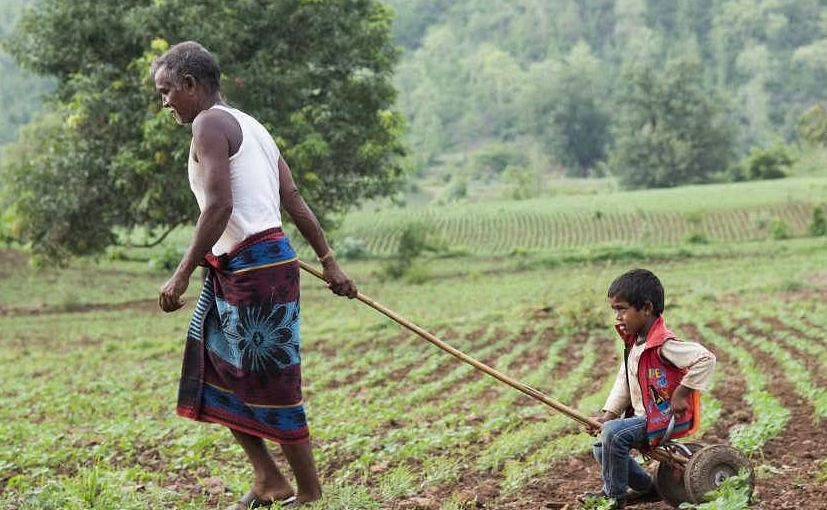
352,248
771,163
493,159
697,238
167,259
780,230
818,226
418,273
522,182
411,244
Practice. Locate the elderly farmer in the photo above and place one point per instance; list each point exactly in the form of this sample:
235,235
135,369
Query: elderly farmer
242,364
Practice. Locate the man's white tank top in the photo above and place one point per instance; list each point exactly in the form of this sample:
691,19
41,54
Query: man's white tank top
254,178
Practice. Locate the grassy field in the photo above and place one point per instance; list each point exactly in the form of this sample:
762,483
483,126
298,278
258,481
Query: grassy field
89,369
721,212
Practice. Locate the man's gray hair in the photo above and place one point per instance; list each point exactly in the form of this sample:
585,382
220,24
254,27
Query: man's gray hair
191,58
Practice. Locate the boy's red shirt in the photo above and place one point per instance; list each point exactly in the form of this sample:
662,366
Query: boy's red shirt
658,379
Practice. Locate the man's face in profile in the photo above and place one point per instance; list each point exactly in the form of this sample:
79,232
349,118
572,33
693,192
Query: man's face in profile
176,96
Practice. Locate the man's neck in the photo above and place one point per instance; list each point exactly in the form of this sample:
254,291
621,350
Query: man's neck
210,101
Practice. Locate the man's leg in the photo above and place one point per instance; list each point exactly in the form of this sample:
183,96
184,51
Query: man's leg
270,484
300,458
620,470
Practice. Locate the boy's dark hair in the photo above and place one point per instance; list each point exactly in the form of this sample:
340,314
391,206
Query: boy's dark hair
638,287
190,58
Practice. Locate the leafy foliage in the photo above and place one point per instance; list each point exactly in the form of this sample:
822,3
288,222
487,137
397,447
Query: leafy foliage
20,91
108,157
770,163
818,226
549,73
672,130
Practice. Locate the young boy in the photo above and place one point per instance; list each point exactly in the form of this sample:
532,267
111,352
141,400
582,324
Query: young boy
659,377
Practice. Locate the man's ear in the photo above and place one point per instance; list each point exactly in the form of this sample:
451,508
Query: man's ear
648,308
188,83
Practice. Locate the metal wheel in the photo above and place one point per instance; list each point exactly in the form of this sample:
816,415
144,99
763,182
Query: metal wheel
709,467
669,479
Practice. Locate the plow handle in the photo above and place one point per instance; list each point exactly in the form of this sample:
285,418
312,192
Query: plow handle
657,454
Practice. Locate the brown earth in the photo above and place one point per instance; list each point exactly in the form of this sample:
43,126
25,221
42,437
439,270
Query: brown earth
793,460
149,306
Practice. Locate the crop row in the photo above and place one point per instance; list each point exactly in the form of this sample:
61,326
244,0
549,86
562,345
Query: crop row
502,230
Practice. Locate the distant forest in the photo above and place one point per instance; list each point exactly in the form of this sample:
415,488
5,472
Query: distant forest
553,77
20,91
547,75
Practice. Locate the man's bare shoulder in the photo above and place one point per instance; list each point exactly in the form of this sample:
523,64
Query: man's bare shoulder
214,125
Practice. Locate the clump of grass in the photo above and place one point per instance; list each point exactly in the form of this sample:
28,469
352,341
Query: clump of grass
346,497
734,494
397,483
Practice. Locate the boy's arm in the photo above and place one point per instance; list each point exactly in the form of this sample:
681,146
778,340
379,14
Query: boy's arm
700,365
619,398
699,362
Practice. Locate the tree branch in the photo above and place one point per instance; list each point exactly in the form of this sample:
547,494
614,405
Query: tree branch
157,241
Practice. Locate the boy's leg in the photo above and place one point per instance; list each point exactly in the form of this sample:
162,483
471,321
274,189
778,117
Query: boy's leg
620,471
300,458
270,484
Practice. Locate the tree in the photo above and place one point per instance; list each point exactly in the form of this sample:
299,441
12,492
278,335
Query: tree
20,91
671,129
317,74
562,107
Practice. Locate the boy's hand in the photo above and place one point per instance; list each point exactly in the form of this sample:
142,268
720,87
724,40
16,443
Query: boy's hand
680,400
603,418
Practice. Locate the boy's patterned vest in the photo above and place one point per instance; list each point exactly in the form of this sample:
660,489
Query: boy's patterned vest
658,379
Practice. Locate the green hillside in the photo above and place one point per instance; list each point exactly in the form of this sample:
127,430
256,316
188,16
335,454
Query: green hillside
720,212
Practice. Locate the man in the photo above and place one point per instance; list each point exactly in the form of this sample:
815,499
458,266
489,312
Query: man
242,365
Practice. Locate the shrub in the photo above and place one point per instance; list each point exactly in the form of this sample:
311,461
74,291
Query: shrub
167,259
493,159
697,238
769,163
818,226
352,248
412,243
780,230
522,182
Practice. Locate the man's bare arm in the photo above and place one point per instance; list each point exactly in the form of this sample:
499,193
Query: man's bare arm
211,145
303,217
308,225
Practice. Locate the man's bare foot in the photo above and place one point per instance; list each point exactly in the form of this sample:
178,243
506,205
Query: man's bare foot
308,498
272,489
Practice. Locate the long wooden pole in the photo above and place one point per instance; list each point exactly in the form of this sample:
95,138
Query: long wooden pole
658,454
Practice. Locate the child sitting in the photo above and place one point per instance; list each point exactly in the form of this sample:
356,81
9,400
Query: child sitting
659,377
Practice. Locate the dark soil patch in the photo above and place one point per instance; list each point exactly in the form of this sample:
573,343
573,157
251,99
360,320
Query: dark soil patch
10,260
796,455
481,489
729,390
148,306
812,364
571,477
451,363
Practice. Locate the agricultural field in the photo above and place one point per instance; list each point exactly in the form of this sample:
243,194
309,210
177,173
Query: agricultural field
89,366
724,212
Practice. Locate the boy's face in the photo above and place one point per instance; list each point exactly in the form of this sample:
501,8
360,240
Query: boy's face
630,320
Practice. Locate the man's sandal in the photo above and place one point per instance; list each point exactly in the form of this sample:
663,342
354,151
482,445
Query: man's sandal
250,501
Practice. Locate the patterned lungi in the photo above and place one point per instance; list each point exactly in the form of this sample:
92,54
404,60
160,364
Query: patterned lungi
242,361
